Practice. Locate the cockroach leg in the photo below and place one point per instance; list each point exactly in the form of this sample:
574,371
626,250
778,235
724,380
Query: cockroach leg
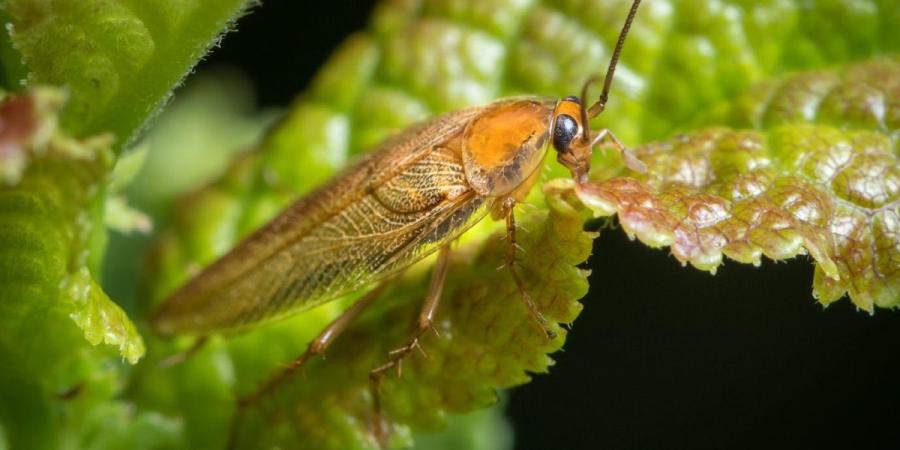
317,347
511,247
631,160
395,357
180,357
71,392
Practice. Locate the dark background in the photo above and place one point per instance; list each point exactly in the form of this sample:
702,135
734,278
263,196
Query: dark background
662,356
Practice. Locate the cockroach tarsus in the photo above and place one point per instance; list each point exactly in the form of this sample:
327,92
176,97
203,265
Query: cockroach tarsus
411,197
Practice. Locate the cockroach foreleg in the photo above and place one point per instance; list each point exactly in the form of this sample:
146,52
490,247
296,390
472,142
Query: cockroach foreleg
511,247
423,324
631,160
317,347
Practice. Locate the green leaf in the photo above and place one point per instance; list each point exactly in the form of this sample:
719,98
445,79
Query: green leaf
683,64
49,234
119,59
51,309
118,215
12,70
481,430
101,320
117,62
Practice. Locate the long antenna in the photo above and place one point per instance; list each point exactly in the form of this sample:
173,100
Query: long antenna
598,107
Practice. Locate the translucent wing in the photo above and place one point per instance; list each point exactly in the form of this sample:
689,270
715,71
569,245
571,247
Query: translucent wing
391,209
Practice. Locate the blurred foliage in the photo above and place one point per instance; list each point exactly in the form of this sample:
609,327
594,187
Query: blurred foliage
119,59
795,163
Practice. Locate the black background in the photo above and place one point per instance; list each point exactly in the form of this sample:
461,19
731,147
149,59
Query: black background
662,356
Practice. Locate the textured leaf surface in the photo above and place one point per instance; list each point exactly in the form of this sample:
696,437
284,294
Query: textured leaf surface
820,174
49,232
119,59
422,58
117,62
28,124
50,305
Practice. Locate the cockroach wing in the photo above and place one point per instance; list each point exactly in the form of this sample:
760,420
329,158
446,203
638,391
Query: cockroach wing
392,208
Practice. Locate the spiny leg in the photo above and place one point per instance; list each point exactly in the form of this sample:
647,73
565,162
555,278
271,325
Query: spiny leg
316,347
395,357
631,160
511,247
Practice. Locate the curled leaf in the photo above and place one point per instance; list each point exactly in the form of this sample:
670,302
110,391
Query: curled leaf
61,337
790,188
50,217
101,320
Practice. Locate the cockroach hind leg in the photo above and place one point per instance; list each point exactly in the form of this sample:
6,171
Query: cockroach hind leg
316,348
413,345
395,358
378,426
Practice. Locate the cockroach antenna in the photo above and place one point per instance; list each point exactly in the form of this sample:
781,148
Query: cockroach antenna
600,105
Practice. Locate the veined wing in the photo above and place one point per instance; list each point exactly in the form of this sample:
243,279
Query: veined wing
391,209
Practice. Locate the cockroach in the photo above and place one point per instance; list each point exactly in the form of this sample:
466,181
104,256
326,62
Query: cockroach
412,196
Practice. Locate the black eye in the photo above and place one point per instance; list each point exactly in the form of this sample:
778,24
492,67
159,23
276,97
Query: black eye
564,131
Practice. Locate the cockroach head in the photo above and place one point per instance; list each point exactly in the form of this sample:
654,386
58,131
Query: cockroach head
570,137
570,126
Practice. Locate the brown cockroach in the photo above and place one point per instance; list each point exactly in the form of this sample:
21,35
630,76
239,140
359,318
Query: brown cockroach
409,198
